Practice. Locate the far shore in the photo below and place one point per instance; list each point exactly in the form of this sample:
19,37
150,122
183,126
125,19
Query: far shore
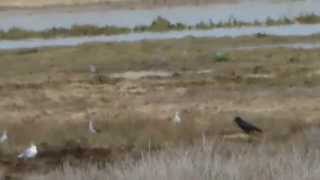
105,4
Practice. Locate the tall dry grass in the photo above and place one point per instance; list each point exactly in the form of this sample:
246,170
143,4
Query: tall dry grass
219,160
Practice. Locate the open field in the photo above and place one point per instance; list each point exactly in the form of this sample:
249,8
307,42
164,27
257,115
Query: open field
48,96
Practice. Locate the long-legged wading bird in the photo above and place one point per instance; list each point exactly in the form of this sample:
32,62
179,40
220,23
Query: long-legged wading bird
3,137
92,68
91,128
177,118
245,126
29,153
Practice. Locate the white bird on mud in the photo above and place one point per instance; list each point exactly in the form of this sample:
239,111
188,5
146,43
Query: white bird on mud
177,118
92,129
29,153
4,137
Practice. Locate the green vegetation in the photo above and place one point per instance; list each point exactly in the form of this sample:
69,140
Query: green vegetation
160,24
309,19
76,30
221,57
281,21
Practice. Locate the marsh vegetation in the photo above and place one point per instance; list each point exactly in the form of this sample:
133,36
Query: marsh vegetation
160,24
48,96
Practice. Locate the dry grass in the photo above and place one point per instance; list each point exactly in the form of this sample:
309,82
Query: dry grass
48,96
52,88
217,160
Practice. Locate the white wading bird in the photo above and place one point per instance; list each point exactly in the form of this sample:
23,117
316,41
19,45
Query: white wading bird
92,68
4,137
92,129
177,118
29,153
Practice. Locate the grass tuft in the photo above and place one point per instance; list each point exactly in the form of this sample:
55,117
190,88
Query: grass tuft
217,160
221,57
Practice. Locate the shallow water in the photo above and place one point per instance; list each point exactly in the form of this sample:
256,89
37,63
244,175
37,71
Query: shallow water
270,46
39,19
288,30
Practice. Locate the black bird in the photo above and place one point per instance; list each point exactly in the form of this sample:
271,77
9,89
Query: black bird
245,126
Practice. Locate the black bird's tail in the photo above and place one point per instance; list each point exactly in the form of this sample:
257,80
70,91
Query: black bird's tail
258,130
246,126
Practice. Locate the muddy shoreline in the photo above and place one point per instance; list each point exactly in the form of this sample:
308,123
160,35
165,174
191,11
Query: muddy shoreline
105,5
276,31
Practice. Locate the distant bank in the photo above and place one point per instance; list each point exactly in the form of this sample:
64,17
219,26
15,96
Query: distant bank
295,30
112,3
